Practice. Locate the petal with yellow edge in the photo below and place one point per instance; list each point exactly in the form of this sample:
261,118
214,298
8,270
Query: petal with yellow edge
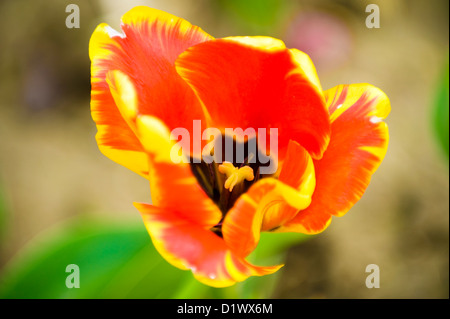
359,140
189,246
297,173
306,222
173,186
270,203
145,51
256,82
242,225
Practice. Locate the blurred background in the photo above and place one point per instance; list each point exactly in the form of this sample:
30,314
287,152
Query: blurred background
62,201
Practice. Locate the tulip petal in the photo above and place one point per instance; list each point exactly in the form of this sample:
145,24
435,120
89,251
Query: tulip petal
297,172
270,203
242,224
255,82
306,67
358,144
145,52
189,246
307,222
173,185
114,137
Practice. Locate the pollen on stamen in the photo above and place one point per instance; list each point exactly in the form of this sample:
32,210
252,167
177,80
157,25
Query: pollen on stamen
235,175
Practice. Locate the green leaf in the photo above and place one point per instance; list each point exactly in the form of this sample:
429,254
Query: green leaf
39,271
441,111
115,261
119,261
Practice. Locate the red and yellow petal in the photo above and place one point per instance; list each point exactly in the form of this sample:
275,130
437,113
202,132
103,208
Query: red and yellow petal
241,227
270,203
306,222
306,67
114,137
172,182
173,185
255,82
359,140
189,246
145,52
298,174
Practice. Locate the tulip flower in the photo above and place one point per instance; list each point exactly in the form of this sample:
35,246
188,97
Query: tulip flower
160,73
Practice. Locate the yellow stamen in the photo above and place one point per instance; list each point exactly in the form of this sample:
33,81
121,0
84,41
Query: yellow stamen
235,175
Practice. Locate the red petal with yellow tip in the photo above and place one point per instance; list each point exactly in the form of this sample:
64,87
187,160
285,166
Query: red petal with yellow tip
145,52
242,225
270,203
359,141
189,246
306,222
255,82
173,185
297,172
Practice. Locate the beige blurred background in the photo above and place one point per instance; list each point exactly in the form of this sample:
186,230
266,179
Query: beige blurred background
51,169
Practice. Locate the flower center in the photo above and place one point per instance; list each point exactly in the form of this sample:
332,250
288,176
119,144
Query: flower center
228,176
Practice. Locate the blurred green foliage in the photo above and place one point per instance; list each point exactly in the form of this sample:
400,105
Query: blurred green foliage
256,17
441,110
119,261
